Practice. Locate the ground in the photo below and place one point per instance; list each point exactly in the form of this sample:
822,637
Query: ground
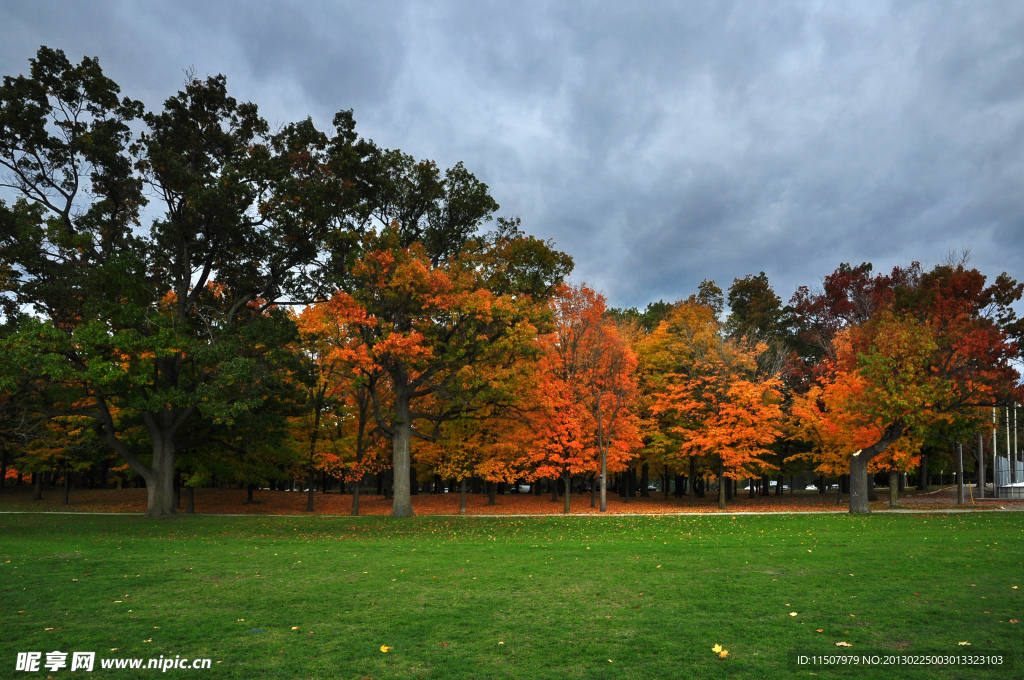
513,597
233,501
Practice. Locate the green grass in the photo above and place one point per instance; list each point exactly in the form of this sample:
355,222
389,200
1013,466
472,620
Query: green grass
564,595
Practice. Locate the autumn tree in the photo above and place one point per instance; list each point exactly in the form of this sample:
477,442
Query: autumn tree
939,345
709,395
176,321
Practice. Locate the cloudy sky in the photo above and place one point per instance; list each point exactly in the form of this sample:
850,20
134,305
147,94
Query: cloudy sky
658,143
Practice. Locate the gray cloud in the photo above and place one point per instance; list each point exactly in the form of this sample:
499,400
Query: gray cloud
659,144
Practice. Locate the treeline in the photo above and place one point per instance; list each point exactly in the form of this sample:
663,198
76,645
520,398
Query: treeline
304,304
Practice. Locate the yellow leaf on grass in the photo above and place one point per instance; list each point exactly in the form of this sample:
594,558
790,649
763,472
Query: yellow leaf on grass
385,649
964,644
843,644
724,653
716,649
792,613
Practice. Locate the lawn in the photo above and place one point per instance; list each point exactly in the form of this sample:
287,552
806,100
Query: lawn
507,597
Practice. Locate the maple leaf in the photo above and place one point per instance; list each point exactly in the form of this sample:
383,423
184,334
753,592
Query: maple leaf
724,653
716,649
385,649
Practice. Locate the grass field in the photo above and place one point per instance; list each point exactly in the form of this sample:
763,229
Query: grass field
504,597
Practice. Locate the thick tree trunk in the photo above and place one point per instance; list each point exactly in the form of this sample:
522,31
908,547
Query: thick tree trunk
67,486
821,484
922,483
355,498
462,497
778,485
401,439
894,489
644,481
750,481
859,461
492,493
190,500
310,479
593,491
568,490
37,486
765,486
859,485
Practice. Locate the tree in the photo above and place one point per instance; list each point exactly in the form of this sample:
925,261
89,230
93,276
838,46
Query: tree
182,321
942,344
709,396
444,327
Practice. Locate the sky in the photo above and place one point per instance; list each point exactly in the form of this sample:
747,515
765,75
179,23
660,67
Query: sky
659,144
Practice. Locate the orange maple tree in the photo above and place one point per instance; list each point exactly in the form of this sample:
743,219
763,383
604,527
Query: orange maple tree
708,395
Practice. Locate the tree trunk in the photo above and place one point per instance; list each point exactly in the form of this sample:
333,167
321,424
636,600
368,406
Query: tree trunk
401,439
959,473
37,486
462,497
554,489
894,489
750,481
765,486
644,481
722,490
778,485
980,456
568,489
67,486
872,494
3,468
691,492
593,491
492,493
922,483
248,498
666,482
310,478
604,478
627,484
859,485
821,484
355,498
190,500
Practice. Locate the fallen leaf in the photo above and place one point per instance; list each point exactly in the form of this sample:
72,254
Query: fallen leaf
794,614
385,649
716,649
241,619
295,627
843,644
962,644
47,628
149,640
501,643
1014,620
724,653
821,630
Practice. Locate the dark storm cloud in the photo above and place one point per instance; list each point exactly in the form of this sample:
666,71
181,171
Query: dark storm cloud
659,144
